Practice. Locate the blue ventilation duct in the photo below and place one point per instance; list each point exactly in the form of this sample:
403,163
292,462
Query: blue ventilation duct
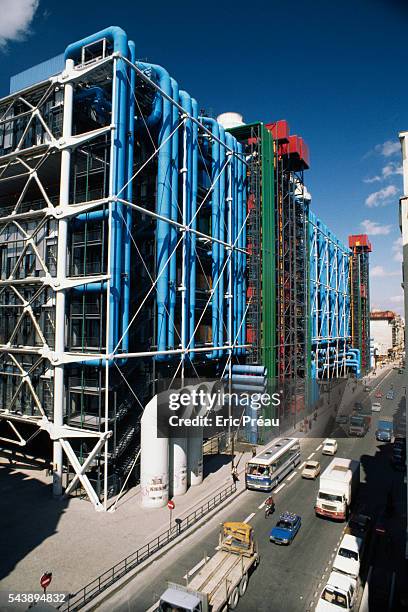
173,215
221,248
193,221
163,206
215,228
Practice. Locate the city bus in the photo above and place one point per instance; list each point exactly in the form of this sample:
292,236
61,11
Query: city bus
265,470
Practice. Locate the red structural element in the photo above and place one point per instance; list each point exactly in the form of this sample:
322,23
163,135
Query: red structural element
297,151
361,241
251,336
388,315
279,130
251,202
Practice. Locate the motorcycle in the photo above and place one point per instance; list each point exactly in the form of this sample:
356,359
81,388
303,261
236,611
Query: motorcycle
269,509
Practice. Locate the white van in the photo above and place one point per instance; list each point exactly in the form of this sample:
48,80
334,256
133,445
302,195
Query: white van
347,560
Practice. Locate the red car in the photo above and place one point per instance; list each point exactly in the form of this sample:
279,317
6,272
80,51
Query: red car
378,394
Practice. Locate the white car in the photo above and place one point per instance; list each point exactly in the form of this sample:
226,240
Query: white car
376,407
329,447
340,593
347,560
311,470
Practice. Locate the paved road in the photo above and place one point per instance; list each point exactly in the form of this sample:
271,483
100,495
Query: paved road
288,578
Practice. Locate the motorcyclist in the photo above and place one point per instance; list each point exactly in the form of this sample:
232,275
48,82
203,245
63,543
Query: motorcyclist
269,505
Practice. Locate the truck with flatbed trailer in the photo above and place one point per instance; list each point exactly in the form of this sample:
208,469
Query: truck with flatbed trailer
222,580
337,488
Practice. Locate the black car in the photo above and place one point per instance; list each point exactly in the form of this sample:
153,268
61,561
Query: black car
359,525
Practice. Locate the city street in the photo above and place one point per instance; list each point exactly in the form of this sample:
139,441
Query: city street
288,578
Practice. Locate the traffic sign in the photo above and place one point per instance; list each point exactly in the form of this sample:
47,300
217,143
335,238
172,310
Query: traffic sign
171,505
45,580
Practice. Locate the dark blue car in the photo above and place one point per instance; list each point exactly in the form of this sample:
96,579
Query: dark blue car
286,528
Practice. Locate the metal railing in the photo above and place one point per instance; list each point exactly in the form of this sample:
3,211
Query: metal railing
104,581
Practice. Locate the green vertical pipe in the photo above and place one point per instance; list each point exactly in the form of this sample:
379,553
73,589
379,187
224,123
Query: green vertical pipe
268,254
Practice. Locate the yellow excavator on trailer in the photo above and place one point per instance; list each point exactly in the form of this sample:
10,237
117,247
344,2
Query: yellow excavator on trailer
221,580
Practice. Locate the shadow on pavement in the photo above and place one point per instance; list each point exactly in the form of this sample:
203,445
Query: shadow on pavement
25,525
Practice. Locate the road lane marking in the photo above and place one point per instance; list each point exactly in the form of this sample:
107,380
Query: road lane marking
280,487
310,456
319,447
248,518
196,567
292,476
302,465
262,505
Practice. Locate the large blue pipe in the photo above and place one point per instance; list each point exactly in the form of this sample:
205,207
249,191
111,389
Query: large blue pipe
221,251
234,240
241,244
91,287
163,200
129,198
193,219
230,217
120,45
215,228
173,215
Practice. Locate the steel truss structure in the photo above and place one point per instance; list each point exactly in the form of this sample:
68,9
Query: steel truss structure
360,298
122,256
330,302
292,344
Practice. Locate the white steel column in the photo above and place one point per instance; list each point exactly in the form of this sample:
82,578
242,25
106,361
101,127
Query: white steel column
59,394
184,318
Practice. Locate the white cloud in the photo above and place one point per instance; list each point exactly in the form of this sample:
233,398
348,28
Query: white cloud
388,148
16,17
372,179
397,299
381,197
376,271
389,170
397,250
375,229
379,271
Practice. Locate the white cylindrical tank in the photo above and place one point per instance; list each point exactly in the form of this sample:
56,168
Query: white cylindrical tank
178,462
154,462
195,440
195,457
230,120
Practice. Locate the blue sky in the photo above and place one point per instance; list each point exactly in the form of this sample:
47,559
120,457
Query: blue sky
335,71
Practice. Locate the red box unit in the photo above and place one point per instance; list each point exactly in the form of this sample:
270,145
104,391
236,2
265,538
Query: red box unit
360,240
298,152
279,130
